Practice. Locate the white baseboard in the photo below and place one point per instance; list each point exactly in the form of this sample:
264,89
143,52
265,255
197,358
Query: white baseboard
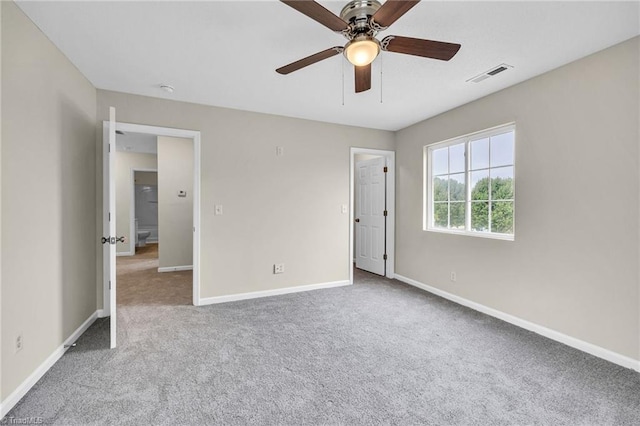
125,253
28,383
175,268
101,313
268,293
587,347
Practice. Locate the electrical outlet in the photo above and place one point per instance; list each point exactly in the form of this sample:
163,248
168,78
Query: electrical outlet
19,343
279,151
278,268
344,208
453,276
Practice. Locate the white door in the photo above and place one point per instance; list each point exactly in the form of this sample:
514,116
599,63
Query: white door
109,239
370,215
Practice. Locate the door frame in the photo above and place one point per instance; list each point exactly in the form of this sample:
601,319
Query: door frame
171,132
391,204
132,208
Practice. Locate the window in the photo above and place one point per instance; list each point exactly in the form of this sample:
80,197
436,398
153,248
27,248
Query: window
469,184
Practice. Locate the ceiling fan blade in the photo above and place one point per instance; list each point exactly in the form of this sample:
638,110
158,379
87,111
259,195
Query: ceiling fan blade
363,78
391,11
420,47
309,60
318,13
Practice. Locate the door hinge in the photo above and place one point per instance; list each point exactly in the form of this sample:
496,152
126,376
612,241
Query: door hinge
109,216
109,284
385,213
385,170
385,256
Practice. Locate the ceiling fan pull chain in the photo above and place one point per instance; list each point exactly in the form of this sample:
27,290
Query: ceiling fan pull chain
342,65
380,78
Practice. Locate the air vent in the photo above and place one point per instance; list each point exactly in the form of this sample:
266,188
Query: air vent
493,71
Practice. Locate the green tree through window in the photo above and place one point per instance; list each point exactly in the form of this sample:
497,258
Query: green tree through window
501,211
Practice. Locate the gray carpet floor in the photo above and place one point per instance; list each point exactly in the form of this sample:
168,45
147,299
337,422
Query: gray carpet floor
377,352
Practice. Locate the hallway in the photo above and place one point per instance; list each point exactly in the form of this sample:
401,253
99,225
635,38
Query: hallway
139,282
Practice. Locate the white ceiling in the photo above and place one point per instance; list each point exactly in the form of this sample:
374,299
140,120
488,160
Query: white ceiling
225,53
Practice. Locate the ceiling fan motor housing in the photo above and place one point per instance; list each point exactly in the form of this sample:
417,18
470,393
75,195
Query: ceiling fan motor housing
358,14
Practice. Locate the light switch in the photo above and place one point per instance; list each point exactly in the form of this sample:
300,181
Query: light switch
217,209
345,209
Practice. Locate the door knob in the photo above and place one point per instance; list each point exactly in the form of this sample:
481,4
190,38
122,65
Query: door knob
357,220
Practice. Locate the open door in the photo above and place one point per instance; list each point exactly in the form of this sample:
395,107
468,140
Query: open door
370,215
109,239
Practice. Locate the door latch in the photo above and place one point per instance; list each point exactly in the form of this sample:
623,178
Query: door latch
113,240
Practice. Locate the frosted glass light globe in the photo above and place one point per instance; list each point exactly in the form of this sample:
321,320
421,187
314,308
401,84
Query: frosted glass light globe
362,52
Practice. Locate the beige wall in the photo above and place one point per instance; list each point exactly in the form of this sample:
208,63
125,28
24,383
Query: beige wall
276,209
48,194
573,266
1,203
125,162
175,214
146,178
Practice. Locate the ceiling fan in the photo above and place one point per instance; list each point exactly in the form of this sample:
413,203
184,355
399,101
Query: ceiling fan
360,21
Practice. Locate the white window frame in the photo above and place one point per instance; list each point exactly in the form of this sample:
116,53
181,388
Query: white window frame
427,216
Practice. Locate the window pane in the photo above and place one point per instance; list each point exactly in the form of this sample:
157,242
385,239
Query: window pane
457,215
440,161
502,183
440,215
480,216
502,149
456,158
480,154
480,185
502,217
440,189
457,189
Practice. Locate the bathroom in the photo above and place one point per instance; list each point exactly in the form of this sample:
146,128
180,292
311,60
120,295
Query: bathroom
146,207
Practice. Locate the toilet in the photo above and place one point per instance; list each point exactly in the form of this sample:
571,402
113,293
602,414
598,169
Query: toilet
141,236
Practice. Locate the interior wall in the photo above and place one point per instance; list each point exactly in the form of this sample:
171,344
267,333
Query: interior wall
175,214
573,266
1,203
48,216
276,209
125,162
146,178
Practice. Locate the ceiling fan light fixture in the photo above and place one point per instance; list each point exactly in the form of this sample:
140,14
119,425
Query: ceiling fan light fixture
362,51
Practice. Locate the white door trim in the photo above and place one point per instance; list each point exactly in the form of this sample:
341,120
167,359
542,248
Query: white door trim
391,205
176,133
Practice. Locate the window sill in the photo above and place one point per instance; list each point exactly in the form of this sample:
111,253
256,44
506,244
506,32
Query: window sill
492,236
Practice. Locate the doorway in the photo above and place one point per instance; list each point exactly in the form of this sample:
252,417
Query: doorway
143,214
372,224
110,218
